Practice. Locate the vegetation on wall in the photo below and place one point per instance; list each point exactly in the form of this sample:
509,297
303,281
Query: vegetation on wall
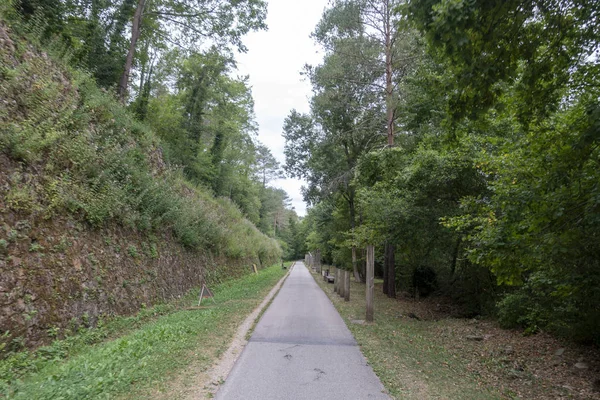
188,138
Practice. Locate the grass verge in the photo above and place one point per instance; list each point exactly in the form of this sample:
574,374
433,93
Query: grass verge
148,356
406,353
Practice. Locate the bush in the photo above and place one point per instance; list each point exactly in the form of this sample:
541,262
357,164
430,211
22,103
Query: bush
551,303
424,280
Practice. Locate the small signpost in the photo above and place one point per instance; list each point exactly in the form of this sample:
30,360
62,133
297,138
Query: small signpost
205,293
254,268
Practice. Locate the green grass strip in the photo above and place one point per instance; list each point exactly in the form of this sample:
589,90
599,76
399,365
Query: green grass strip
149,355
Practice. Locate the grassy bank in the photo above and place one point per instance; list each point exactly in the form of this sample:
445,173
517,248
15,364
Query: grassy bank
130,357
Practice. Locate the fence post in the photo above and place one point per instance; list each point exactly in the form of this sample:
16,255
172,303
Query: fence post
318,261
336,281
370,281
347,286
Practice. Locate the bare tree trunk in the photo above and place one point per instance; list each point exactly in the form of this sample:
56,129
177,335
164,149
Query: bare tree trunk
353,225
391,258
363,265
347,286
135,35
389,88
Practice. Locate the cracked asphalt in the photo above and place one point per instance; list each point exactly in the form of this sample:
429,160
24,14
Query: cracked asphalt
301,349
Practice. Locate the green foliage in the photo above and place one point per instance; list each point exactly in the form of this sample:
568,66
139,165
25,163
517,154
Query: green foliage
493,184
203,115
97,161
132,251
98,34
3,246
477,41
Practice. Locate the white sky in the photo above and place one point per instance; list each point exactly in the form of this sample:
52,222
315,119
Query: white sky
274,61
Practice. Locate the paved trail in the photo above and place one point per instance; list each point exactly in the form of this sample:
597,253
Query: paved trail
301,349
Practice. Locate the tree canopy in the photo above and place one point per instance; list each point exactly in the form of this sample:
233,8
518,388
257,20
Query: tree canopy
490,192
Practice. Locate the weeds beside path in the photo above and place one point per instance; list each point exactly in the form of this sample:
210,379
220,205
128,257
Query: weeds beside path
403,354
146,359
421,353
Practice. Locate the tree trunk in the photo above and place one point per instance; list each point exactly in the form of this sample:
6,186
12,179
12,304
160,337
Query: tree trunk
391,259
455,256
352,208
347,286
355,265
385,268
370,283
336,280
389,89
135,35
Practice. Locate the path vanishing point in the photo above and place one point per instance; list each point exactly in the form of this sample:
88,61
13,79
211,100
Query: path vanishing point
301,349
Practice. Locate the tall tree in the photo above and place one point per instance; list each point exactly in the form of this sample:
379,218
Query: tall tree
391,49
267,167
189,24
135,35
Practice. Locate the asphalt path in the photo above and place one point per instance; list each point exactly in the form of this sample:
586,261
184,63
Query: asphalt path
301,349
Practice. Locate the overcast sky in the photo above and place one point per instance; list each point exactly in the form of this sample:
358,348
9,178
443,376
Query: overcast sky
274,61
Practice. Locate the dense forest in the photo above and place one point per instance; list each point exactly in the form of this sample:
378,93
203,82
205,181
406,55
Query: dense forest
461,138
171,64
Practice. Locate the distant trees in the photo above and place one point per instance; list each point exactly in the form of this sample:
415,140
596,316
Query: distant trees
490,191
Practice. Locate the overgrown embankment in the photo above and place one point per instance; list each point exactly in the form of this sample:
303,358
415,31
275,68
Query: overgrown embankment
92,222
162,352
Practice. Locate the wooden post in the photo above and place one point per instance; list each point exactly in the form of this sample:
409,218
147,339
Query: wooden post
342,285
370,282
336,280
347,286
318,261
